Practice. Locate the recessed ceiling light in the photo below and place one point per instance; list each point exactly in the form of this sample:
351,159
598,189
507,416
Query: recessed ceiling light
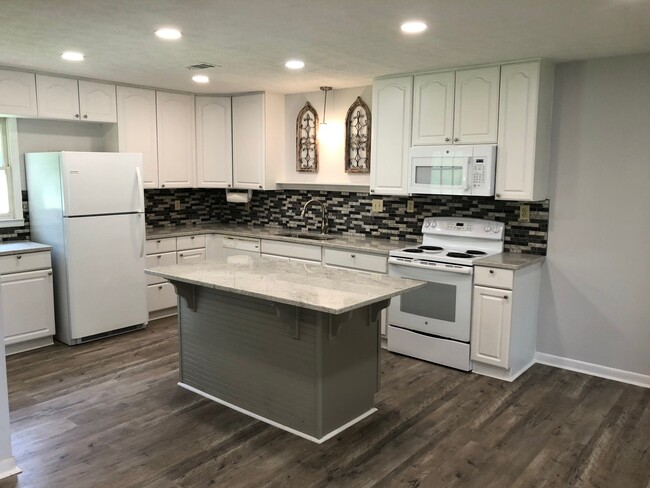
294,64
201,79
414,27
169,34
72,56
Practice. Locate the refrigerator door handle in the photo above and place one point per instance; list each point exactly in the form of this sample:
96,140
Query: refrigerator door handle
142,235
138,175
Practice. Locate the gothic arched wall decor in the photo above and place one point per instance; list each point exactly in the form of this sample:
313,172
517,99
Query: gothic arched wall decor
307,140
357,138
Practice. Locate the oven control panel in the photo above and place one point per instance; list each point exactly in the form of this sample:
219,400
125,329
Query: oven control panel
461,226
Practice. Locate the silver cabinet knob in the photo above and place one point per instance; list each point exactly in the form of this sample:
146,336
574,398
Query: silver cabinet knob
49,273
181,254
372,191
76,116
85,116
162,186
19,257
491,271
159,256
498,195
447,139
229,186
456,139
353,255
260,187
160,287
191,237
158,241
505,297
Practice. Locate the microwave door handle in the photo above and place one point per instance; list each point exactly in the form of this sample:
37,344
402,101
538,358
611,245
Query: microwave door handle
466,178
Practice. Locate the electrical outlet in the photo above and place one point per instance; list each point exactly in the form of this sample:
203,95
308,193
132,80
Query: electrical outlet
177,204
377,206
410,206
524,213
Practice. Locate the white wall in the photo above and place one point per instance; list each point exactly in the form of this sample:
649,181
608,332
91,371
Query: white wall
595,297
36,135
331,148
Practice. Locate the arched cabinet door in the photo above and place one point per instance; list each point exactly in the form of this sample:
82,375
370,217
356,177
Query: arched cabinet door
392,100
476,112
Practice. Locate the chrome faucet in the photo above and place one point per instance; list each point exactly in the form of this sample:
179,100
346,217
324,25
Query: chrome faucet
323,207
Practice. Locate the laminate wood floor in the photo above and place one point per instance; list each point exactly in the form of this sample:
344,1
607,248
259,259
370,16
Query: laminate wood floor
109,414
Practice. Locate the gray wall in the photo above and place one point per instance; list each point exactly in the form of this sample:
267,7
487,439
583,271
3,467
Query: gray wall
595,298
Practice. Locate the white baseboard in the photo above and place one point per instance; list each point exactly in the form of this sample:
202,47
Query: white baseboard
8,468
594,369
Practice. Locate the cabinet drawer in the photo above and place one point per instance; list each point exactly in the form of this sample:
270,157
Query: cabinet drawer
291,250
17,263
155,246
355,260
191,256
190,242
161,296
494,277
155,260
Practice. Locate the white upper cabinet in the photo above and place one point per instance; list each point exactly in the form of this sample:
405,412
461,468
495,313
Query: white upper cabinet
97,101
433,108
257,138
176,142
524,131
392,100
66,98
213,142
477,103
17,93
136,127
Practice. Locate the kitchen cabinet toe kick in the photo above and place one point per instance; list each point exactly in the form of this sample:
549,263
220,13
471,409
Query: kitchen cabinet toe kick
311,373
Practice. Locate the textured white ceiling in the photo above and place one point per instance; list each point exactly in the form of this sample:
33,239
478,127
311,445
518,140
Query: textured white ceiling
344,43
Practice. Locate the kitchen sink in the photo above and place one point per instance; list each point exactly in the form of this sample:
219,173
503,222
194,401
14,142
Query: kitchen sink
307,235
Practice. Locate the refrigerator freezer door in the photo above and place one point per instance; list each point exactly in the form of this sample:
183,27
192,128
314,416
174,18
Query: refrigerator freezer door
105,272
101,183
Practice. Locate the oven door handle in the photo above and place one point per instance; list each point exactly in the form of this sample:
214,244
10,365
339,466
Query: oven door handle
438,267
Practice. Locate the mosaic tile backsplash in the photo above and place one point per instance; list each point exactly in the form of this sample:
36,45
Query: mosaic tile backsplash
348,213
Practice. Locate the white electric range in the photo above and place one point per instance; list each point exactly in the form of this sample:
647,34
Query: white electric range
433,323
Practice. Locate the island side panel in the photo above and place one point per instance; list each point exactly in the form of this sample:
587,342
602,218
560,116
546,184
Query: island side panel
235,348
350,366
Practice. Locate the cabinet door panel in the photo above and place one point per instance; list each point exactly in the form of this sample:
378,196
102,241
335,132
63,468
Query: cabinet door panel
491,316
57,98
136,127
193,256
97,102
433,108
213,142
391,135
477,104
17,93
175,117
517,130
248,136
27,305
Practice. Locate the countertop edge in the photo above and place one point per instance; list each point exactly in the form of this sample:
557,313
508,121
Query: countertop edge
22,247
511,261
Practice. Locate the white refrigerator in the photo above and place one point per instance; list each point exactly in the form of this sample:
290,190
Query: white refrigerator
90,208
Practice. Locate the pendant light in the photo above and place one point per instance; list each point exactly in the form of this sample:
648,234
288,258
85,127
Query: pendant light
325,89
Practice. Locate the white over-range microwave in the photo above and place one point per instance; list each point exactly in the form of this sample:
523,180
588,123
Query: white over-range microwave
452,170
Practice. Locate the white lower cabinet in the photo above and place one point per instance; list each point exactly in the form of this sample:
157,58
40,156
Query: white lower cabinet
504,320
27,301
161,296
291,250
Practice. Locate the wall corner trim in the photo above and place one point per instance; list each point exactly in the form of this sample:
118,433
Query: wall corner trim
623,376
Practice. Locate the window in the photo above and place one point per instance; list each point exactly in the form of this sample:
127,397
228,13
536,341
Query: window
11,207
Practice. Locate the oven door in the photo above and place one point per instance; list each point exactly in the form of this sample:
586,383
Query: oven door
441,308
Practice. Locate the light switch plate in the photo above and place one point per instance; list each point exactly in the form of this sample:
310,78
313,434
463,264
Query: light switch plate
524,213
377,206
410,206
177,204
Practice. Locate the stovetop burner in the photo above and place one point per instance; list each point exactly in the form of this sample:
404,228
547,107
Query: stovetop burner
459,255
430,248
474,252
413,250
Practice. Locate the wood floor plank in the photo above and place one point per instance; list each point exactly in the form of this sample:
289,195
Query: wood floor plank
110,414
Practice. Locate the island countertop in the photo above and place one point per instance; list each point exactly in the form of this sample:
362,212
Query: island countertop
309,286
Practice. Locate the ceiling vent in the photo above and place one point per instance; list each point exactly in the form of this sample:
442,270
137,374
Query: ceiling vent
201,66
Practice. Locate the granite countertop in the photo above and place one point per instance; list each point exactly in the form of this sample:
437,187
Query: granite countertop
347,242
22,247
510,260
310,286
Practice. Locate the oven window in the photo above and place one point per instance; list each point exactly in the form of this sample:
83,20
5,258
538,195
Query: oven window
434,301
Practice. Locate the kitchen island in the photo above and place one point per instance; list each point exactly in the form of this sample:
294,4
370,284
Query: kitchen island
292,344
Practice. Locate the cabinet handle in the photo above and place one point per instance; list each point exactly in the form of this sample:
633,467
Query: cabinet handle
76,116
353,255
162,186
456,139
181,254
160,287
446,139
191,237
491,271
19,257
260,187
372,191
498,195
158,241
85,116
49,273
505,297
159,256
229,186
